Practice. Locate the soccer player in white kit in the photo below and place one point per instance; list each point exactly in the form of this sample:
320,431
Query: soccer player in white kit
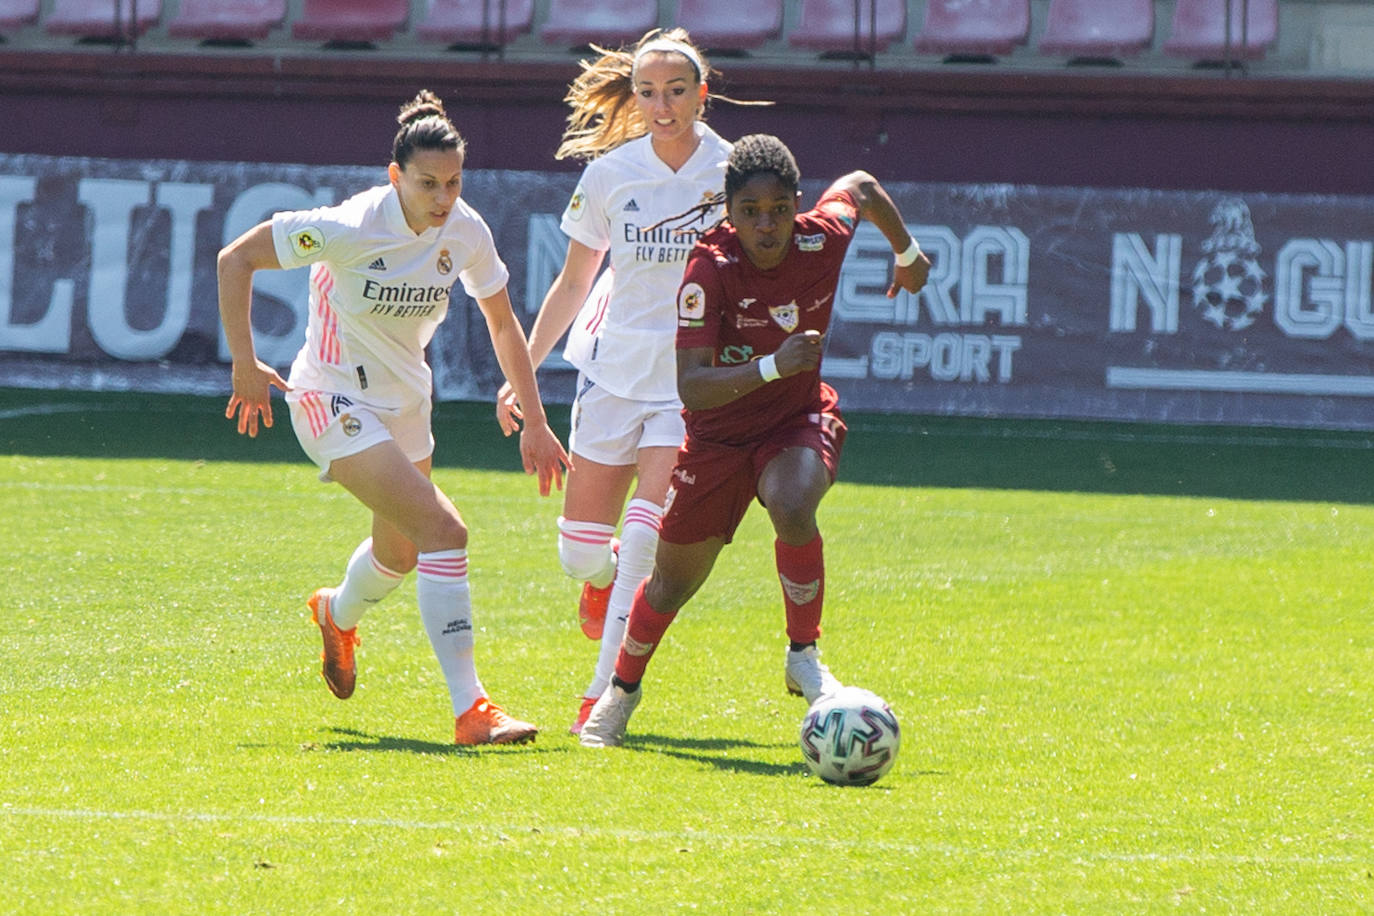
649,160
381,267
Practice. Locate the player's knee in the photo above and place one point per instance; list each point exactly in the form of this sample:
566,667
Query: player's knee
666,593
581,557
794,520
397,558
446,531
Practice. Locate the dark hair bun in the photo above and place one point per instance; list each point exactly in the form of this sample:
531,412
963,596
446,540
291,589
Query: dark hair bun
425,104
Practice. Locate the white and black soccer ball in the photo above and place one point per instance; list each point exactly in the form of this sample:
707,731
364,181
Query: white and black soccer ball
850,737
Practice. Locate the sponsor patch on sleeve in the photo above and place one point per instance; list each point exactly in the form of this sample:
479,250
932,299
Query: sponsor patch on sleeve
306,242
578,205
691,306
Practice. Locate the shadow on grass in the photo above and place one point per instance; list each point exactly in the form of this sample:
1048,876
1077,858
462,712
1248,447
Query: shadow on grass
699,750
888,449
349,739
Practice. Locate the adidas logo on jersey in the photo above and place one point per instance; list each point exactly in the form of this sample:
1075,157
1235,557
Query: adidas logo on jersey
631,207
378,264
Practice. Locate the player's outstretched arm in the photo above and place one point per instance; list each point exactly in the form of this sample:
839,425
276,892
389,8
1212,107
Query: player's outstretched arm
912,267
252,379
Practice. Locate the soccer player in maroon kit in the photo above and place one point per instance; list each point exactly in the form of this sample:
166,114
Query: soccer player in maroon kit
753,307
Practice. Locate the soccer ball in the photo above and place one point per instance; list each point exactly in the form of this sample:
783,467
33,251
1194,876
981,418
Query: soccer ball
850,737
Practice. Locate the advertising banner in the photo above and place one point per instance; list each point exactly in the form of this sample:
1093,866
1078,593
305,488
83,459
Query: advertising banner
1191,307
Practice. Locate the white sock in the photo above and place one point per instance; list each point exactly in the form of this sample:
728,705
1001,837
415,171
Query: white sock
638,544
584,549
446,609
365,583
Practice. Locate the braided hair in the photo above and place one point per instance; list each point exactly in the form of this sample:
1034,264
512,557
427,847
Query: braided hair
754,154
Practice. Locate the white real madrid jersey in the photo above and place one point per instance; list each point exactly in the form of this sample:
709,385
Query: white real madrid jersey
624,343
378,291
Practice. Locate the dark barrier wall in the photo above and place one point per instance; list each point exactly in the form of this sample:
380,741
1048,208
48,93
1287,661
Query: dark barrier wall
1174,130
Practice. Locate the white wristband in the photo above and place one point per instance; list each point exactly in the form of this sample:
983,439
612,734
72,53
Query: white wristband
908,257
768,368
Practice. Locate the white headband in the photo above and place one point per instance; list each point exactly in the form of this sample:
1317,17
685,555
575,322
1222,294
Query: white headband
677,47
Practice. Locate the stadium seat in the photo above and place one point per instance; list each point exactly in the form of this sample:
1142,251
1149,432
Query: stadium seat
1199,29
227,20
486,23
574,23
849,26
15,14
97,18
974,28
729,25
1098,28
350,21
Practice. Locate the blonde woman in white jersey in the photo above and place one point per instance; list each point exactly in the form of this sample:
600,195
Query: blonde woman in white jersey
382,264
637,119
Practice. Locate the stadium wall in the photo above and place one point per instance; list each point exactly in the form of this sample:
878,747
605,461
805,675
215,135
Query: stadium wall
1204,130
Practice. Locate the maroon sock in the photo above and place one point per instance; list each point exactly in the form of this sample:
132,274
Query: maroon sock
643,631
801,570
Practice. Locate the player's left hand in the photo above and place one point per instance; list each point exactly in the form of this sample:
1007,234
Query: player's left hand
508,413
911,277
543,454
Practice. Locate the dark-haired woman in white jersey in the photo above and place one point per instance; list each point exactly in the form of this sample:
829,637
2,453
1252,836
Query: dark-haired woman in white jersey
381,266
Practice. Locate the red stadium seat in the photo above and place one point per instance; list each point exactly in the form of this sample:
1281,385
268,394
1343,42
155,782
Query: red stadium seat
1098,28
840,26
97,18
974,27
729,25
227,20
1199,29
15,14
605,22
485,22
350,20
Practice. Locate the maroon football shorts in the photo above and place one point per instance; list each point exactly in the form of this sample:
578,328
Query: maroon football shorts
713,484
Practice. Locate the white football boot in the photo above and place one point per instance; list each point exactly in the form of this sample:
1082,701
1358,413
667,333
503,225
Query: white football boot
807,676
605,726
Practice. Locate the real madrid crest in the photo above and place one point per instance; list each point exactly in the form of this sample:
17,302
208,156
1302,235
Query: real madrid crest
445,262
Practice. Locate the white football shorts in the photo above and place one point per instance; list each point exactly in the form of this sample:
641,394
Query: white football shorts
611,430
331,426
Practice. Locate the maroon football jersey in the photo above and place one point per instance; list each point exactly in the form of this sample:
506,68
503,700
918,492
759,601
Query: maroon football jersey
744,313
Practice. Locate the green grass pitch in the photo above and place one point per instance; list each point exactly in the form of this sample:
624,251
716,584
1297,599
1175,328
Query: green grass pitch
1132,666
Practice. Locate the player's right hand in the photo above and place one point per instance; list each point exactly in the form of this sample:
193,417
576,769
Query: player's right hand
799,353
252,397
